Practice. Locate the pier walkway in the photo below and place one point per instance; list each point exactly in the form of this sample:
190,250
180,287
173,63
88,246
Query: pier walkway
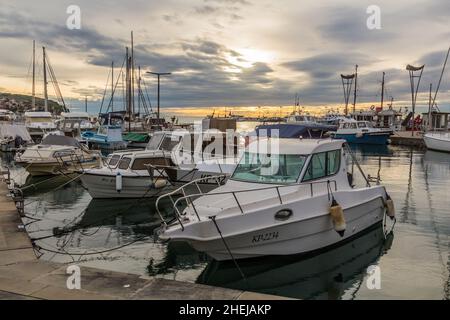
23,276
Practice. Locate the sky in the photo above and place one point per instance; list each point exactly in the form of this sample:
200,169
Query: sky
230,52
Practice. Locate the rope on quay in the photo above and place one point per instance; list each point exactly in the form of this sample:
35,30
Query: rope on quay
38,247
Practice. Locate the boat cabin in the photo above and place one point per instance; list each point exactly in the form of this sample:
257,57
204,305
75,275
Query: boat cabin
438,121
301,119
294,161
73,121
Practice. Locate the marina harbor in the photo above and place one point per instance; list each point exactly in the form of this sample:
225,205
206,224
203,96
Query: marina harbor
242,156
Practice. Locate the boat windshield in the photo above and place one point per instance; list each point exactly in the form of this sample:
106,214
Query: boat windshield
266,168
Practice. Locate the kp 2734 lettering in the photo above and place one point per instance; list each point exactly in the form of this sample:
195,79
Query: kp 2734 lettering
265,237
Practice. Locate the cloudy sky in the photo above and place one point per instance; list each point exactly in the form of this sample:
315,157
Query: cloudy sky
231,52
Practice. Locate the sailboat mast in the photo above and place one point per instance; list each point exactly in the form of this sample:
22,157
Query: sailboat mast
33,89
112,86
45,80
430,108
139,90
132,72
382,92
354,92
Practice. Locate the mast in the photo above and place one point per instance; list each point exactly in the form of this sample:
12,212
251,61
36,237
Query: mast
33,89
132,73
430,107
356,85
128,84
112,86
45,80
139,90
85,103
382,92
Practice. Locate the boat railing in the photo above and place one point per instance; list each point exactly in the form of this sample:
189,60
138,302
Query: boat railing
331,186
184,191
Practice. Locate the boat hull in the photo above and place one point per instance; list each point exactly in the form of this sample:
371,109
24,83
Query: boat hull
104,186
437,142
366,138
48,168
297,237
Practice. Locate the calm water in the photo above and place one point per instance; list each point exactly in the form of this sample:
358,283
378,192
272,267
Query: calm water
118,235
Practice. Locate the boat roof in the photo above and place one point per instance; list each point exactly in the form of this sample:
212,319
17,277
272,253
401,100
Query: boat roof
296,146
58,140
292,130
37,114
75,115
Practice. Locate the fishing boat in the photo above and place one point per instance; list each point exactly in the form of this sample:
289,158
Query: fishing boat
57,154
109,134
361,132
294,198
13,137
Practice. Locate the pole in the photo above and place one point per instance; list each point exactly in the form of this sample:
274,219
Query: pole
33,90
430,106
159,74
45,80
139,90
356,85
132,72
382,92
112,86
85,104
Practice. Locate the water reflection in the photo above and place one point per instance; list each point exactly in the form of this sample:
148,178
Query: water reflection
323,276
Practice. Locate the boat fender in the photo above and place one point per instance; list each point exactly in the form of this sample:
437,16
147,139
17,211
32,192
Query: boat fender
337,214
159,183
359,134
390,208
118,182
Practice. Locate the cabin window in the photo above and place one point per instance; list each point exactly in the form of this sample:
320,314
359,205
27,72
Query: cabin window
322,165
361,124
124,163
140,164
168,144
114,160
262,168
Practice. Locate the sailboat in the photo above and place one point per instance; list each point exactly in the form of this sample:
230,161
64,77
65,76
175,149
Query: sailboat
437,140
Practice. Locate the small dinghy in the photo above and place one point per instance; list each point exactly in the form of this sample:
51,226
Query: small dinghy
296,199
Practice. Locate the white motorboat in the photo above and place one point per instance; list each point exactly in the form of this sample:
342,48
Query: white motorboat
293,200
38,123
439,141
161,167
75,123
57,154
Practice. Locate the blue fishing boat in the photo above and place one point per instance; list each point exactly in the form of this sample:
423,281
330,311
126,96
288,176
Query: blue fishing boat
109,134
361,132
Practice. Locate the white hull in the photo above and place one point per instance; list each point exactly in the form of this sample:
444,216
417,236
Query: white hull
301,235
104,186
437,141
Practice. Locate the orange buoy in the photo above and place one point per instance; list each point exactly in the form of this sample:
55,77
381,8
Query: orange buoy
390,208
337,214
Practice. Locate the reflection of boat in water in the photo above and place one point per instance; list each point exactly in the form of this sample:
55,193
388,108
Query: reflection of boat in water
372,149
436,157
45,184
325,275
